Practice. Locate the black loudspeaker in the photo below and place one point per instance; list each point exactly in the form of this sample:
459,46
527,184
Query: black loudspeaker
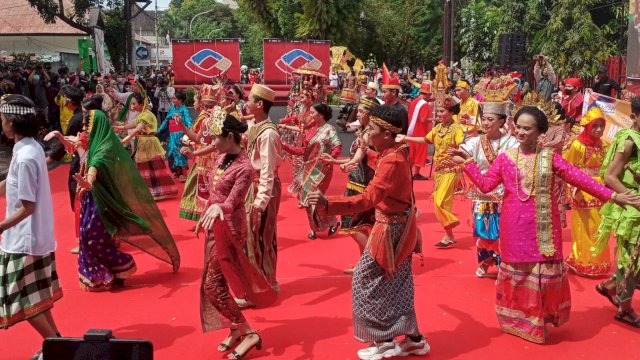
96,345
512,49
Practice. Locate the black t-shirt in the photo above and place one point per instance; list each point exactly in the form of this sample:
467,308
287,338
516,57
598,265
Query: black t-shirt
405,115
606,86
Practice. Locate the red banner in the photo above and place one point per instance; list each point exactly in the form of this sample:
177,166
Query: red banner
197,61
281,57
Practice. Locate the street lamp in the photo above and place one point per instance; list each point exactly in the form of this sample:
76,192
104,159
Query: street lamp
212,31
194,17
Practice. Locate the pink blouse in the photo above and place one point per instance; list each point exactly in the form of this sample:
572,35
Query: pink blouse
229,191
518,231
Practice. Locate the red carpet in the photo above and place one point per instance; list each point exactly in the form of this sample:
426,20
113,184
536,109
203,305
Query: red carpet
313,317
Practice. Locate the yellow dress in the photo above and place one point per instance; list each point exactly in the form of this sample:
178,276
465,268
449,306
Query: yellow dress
148,146
446,176
585,213
471,108
65,113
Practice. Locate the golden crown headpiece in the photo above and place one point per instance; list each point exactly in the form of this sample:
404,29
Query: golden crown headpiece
536,99
495,89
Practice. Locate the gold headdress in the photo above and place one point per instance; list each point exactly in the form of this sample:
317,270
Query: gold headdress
216,122
495,89
536,99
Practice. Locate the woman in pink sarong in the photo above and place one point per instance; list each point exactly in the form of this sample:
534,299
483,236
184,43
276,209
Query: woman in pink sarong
532,286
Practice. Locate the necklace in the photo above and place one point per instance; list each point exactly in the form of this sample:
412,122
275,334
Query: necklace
226,162
446,130
528,168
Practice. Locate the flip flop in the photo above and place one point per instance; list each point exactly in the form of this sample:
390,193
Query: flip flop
622,316
602,291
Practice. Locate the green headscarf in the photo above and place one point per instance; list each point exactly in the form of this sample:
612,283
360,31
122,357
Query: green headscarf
125,204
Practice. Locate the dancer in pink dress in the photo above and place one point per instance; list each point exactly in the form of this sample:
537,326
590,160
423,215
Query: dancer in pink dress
532,286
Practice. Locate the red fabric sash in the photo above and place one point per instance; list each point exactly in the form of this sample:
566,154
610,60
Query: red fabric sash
489,153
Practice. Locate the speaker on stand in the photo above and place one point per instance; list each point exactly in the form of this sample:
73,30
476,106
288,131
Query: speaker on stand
512,50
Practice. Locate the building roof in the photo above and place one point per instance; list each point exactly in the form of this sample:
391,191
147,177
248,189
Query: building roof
17,17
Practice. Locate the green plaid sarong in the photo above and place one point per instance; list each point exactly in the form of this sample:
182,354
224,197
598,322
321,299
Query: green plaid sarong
28,286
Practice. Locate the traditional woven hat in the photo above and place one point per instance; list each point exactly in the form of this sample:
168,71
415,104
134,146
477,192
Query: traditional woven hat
263,92
368,102
500,108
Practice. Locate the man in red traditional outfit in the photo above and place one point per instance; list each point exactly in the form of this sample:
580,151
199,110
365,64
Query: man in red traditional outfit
420,111
391,93
572,102
382,285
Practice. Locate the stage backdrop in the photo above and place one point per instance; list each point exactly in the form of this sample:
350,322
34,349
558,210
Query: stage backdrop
197,61
616,113
281,57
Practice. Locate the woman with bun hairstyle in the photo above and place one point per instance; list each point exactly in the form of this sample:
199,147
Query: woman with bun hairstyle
314,173
225,224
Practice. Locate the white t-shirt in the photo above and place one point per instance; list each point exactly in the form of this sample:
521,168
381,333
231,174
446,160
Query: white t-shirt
333,80
28,180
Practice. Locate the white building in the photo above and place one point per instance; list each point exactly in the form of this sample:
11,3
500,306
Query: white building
22,31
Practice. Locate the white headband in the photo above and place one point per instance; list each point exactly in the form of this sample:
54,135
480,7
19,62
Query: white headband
16,110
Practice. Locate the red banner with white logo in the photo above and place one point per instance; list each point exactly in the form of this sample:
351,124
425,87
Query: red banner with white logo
198,61
281,57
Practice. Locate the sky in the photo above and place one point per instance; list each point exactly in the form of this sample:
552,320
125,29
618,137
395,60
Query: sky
162,4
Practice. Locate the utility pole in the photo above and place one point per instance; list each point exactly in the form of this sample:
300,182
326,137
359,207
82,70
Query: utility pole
129,57
447,32
156,30
127,36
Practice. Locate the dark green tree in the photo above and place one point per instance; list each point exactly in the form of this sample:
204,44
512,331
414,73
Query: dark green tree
219,21
73,13
481,22
575,45
115,26
333,20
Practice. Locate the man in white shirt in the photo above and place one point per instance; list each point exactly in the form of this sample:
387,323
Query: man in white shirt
28,278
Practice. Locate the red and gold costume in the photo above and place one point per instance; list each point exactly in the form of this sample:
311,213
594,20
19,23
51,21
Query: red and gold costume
572,104
382,284
420,110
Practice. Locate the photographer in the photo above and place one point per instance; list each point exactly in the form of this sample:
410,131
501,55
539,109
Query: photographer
604,84
164,101
544,75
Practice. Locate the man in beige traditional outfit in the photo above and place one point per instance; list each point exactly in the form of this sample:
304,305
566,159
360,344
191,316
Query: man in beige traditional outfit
263,200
